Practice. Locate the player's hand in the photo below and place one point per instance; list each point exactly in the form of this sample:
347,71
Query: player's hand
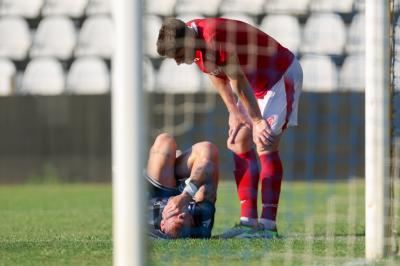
262,133
176,205
236,122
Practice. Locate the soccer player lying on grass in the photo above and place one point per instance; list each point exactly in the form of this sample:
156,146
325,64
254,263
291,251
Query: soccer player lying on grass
182,189
267,79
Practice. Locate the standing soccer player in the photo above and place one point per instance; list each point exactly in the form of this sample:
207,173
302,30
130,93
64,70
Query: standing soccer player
267,79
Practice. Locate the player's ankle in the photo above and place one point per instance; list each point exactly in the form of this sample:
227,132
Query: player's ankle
267,224
246,221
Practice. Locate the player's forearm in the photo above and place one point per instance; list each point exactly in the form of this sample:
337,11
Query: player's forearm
203,176
228,98
242,88
225,92
246,96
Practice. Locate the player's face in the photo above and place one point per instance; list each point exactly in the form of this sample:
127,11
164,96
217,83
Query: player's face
174,224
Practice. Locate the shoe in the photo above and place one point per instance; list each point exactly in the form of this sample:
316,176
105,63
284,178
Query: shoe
240,231
261,232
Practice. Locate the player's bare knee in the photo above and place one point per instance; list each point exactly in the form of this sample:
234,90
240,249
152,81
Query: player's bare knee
206,150
243,141
165,141
265,149
261,148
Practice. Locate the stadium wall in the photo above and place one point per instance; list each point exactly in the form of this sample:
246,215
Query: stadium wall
68,137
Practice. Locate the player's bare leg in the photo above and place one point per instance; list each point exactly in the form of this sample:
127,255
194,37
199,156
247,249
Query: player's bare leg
161,163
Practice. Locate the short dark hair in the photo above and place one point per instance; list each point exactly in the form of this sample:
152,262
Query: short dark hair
171,37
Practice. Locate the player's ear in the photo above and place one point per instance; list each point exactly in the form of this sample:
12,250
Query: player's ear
162,224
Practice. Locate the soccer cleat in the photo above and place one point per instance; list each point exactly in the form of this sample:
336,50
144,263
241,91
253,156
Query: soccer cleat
240,231
261,232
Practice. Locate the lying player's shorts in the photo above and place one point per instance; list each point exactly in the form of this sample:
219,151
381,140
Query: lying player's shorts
156,190
279,106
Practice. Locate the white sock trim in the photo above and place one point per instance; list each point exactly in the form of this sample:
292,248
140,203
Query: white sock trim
248,221
270,205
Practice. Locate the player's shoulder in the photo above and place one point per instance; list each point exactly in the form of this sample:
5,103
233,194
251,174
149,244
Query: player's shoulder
196,21
207,22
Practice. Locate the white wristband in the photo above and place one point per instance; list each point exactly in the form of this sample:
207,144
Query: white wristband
190,188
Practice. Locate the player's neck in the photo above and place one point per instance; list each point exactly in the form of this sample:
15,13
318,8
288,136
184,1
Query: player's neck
198,42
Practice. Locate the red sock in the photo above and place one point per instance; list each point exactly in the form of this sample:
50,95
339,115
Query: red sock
271,178
247,176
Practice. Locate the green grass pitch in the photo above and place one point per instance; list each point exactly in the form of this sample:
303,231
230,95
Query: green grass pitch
320,223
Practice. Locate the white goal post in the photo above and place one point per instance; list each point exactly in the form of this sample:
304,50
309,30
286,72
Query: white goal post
128,140
377,129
